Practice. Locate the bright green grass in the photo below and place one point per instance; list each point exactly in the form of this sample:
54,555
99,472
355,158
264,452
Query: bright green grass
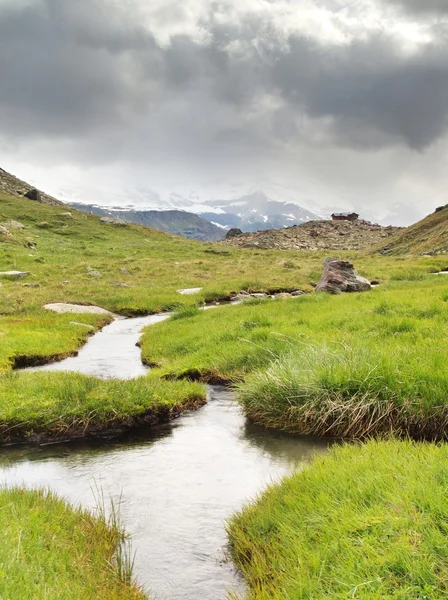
44,336
50,551
158,264
62,405
367,522
348,365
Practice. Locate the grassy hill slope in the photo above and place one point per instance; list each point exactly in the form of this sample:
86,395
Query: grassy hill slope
429,236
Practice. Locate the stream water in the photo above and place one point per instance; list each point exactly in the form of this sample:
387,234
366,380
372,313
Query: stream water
176,484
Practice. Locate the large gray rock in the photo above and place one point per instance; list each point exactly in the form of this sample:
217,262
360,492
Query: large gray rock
62,308
340,276
233,233
14,274
33,194
113,221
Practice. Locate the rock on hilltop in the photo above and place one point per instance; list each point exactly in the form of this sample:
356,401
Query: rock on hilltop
16,187
317,235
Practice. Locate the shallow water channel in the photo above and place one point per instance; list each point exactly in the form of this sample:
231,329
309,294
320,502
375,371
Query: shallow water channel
175,484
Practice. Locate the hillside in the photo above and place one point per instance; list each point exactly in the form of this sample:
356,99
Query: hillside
317,235
178,222
428,236
9,184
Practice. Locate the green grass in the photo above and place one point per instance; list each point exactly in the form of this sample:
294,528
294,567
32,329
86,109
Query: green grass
50,551
348,366
68,405
368,522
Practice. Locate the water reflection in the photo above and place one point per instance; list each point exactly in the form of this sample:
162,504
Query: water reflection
177,485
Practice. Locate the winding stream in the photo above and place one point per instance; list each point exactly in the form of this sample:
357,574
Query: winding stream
175,484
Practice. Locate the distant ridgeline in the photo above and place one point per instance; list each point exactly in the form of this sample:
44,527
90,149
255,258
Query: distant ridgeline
178,222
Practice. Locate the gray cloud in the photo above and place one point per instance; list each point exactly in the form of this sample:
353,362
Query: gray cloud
435,7
87,80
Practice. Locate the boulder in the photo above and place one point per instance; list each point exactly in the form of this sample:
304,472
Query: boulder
340,276
33,194
62,308
113,221
4,232
233,233
14,274
16,225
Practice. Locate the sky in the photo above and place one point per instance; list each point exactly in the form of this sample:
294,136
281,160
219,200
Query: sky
342,103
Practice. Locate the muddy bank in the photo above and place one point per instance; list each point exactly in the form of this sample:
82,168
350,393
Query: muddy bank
58,433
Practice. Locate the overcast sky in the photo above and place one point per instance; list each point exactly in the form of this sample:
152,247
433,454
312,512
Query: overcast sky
344,102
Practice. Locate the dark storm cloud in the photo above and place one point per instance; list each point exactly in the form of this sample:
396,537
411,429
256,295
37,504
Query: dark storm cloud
436,7
92,75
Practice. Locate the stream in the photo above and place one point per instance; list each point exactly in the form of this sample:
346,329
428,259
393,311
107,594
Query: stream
175,484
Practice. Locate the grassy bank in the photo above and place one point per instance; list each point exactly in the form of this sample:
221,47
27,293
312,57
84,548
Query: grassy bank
352,365
53,406
52,551
365,522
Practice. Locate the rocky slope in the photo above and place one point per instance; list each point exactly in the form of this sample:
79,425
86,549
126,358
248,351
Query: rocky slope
428,236
16,187
318,235
178,222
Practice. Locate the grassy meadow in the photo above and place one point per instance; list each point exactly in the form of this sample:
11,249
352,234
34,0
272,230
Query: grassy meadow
50,551
366,522
344,366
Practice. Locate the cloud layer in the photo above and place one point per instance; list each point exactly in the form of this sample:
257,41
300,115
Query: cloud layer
219,87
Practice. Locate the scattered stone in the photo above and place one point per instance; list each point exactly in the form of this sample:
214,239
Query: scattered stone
298,293
260,296
121,285
33,194
375,283
340,276
16,225
31,285
93,272
67,214
190,291
113,221
91,327
124,271
233,233
15,274
282,296
61,308
5,232
65,282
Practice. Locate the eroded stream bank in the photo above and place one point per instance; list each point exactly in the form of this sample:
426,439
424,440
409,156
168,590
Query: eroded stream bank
176,486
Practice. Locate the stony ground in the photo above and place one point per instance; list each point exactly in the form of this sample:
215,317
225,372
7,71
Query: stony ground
9,184
317,235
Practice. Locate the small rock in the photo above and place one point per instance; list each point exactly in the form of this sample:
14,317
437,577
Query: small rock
94,273
61,308
31,285
33,194
5,232
65,282
190,291
121,285
283,295
297,293
124,271
67,214
16,225
15,274
258,295
375,282
82,325
113,221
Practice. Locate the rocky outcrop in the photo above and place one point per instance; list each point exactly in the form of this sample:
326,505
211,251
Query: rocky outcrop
14,274
340,276
316,235
233,233
16,187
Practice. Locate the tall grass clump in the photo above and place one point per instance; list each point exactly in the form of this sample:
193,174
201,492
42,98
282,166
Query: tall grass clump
51,551
366,522
345,391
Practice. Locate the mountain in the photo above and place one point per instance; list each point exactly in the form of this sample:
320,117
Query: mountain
256,211
317,235
9,184
428,236
178,222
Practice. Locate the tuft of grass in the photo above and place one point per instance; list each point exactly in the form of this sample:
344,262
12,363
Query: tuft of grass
36,406
367,522
51,550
